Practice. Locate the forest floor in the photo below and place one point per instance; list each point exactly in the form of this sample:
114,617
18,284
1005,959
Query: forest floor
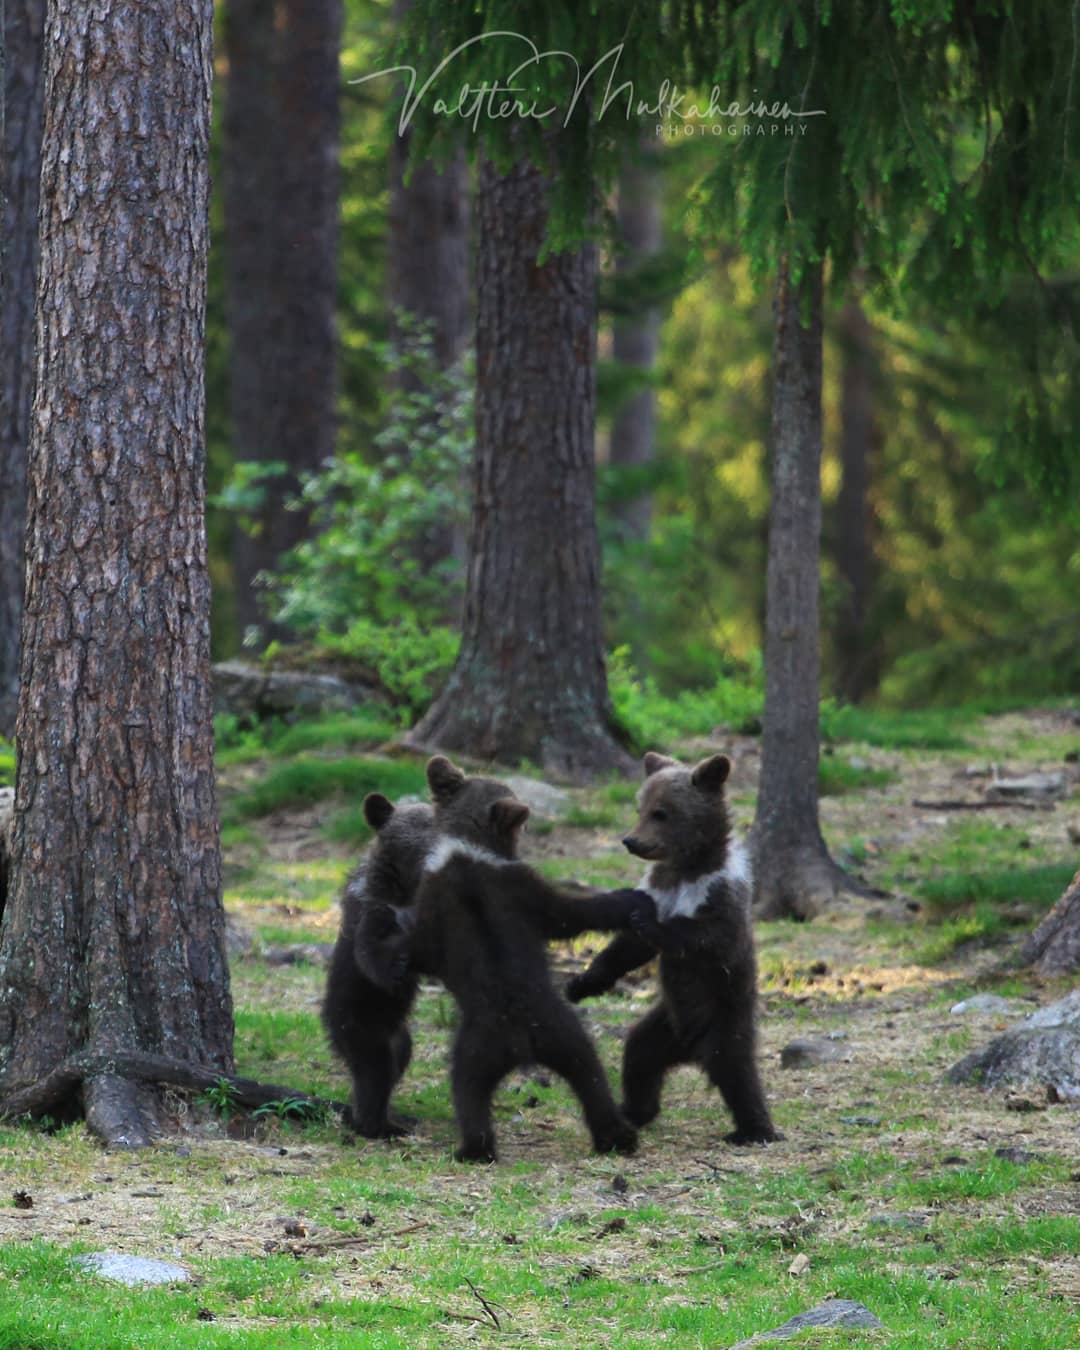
949,1212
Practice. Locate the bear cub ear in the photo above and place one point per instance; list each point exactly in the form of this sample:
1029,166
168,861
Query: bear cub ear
711,774
377,810
508,814
654,763
444,779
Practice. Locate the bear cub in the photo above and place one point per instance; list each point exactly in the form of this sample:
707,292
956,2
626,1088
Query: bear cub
481,923
701,884
369,990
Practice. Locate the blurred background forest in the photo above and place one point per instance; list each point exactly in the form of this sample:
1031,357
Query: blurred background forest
948,574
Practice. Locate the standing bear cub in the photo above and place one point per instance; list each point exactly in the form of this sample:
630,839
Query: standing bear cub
480,923
700,882
368,1000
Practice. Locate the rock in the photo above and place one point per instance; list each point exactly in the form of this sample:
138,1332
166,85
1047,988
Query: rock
1031,787
834,1312
131,1269
1041,1051
1019,1156
298,954
868,1121
239,939
540,797
1016,1101
984,1003
255,693
804,1054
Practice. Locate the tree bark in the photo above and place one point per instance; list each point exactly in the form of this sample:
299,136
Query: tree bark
281,184
429,241
858,653
530,680
429,281
636,336
22,30
429,248
1054,947
113,936
793,874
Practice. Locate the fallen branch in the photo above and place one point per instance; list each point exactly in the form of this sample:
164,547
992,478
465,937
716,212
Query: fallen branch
37,1097
982,806
489,1308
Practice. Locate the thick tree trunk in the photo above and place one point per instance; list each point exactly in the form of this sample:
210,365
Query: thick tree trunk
1054,947
530,679
281,182
636,336
113,936
794,874
858,655
22,29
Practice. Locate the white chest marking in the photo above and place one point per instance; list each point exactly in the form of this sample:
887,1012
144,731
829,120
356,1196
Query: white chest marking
447,847
684,900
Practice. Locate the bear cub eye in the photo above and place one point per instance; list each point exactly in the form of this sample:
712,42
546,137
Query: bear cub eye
658,814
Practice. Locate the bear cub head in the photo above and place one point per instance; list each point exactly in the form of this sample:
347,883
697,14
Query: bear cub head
480,811
683,821
403,836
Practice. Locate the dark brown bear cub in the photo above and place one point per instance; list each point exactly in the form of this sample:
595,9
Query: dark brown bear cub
700,882
482,922
369,990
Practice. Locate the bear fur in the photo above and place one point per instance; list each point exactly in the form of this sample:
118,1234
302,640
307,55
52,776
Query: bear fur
700,882
368,997
481,922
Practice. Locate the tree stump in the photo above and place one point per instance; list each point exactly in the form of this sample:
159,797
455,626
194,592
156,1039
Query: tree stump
1054,947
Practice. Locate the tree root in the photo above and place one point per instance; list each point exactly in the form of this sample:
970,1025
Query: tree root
114,1104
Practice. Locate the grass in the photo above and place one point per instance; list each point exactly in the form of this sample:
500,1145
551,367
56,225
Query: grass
240,744
687,1244
923,729
838,777
7,763
306,780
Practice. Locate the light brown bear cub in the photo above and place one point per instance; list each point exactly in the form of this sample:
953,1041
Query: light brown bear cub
700,882
481,924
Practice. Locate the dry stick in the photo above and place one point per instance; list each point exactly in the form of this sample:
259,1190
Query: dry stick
695,1270
489,1308
361,1237
38,1096
983,806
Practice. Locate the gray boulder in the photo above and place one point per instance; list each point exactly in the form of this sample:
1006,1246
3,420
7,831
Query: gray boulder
256,692
1041,1051
834,1312
131,1269
804,1054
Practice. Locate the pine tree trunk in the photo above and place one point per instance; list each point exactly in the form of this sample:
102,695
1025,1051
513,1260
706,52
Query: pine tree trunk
113,936
530,679
1054,948
429,241
23,23
429,280
794,874
857,652
636,336
281,183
